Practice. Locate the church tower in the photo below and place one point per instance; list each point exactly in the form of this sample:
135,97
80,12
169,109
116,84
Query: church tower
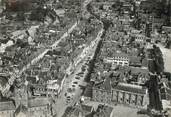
21,96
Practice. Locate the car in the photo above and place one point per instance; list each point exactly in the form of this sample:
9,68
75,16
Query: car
75,82
83,69
73,85
79,73
77,78
69,90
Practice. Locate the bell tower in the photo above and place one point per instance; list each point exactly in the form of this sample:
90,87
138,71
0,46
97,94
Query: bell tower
21,96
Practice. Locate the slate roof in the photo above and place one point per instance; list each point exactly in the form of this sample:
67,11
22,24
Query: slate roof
108,86
86,108
88,91
103,111
130,88
31,79
3,81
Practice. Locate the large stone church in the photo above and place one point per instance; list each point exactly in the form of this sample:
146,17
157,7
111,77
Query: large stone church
22,105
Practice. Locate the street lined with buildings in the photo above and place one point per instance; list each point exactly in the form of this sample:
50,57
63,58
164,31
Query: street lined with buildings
85,58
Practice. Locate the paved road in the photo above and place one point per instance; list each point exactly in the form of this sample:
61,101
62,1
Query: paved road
75,68
84,58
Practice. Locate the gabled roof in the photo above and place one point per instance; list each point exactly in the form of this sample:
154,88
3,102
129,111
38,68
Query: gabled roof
103,111
3,81
88,91
130,88
86,108
108,85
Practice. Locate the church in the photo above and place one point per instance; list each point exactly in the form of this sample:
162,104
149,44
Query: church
22,105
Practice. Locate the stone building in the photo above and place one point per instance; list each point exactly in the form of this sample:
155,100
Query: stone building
118,59
122,93
22,105
79,110
139,38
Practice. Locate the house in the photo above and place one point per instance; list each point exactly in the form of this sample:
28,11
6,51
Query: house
140,38
50,88
53,87
3,81
118,59
79,110
39,90
60,12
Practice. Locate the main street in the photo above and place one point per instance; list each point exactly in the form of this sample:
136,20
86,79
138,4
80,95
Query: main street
61,103
82,60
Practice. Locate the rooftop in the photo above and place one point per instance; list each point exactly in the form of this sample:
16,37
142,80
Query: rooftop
103,111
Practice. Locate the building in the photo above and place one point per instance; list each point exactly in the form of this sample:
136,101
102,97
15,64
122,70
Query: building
33,107
51,88
22,105
2,6
123,59
118,59
140,38
122,93
79,110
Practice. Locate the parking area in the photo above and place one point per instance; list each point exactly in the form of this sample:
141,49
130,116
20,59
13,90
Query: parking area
77,82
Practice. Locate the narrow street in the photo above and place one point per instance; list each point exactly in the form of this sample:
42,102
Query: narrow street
73,71
35,60
83,59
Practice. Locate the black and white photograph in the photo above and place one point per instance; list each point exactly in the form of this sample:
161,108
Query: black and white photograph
85,58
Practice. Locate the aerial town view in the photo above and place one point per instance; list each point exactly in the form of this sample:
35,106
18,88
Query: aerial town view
85,58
